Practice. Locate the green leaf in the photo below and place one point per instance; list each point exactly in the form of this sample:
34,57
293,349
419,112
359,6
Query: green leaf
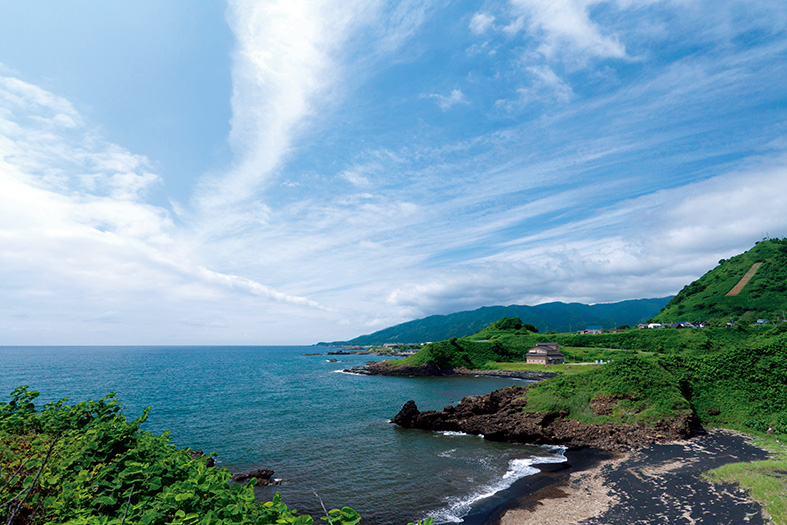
183,496
104,500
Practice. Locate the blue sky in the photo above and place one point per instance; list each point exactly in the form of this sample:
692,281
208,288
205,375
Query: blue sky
291,171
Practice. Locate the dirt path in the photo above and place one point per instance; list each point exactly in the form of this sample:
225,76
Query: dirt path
744,280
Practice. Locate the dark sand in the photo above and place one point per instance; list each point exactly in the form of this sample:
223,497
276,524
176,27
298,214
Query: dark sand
532,488
657,484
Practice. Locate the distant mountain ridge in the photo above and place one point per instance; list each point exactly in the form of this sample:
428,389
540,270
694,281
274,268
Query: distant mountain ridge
747,287
556,316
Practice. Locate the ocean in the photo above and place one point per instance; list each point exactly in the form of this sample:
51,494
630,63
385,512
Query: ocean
321,430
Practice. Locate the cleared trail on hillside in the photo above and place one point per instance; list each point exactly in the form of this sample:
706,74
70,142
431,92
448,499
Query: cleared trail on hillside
744,280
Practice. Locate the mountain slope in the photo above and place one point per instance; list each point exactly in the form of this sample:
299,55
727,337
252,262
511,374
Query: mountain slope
550,316
748,287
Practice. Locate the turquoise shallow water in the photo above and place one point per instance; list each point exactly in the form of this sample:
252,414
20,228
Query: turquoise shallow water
319,429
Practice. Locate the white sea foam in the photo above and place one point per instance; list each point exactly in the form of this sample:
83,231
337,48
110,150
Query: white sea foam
517,469
453,433
342,371
447,453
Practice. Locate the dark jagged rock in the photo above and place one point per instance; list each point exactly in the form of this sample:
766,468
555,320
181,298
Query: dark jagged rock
387,368
499,416
407,414
196,454
519,374
263,477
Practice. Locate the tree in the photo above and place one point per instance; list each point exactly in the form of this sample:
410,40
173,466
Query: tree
508,323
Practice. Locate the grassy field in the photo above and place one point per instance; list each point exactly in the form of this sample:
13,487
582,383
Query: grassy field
568,369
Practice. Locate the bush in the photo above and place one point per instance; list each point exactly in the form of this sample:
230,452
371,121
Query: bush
86,464
507,323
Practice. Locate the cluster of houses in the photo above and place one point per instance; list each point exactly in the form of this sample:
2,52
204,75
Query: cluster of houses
682,324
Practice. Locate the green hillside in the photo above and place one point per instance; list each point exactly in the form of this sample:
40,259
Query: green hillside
728,376
764,297
557,317
734,377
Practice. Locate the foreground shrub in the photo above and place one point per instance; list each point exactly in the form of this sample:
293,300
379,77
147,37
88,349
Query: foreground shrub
86,464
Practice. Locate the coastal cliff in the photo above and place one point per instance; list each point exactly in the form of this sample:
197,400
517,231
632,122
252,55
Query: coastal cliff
500,416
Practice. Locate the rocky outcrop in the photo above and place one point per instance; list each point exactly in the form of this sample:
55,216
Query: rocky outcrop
499,416
196,454
519,374
263,477
387,368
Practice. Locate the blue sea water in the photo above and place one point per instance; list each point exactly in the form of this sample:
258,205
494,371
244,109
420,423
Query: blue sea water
319,429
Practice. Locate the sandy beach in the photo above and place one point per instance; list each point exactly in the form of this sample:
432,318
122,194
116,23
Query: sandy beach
658,484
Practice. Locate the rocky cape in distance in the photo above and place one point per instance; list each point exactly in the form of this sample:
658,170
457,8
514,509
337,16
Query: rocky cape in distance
383,368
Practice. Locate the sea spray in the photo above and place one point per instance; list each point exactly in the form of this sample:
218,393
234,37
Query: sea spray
456,508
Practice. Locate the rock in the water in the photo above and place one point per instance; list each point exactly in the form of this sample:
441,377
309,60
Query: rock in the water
407,414
263,477
196,454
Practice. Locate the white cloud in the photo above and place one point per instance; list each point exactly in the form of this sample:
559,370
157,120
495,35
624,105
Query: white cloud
446,102
316,222
671,238
286,65
565,28
358,175
282,62
399,24
77,237
480,23
545,86
242,283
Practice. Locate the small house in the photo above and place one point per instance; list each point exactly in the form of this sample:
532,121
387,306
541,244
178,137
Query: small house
597,329
545,354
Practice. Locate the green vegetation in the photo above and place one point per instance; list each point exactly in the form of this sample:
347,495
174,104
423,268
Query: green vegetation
500,345
87,465
765,296
560,369
460,353
765,481
634,389
729,377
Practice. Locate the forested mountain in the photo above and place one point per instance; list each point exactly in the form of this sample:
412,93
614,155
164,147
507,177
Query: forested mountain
557,317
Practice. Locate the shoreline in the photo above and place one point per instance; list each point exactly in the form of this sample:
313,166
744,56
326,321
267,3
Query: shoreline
660,483
528,490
